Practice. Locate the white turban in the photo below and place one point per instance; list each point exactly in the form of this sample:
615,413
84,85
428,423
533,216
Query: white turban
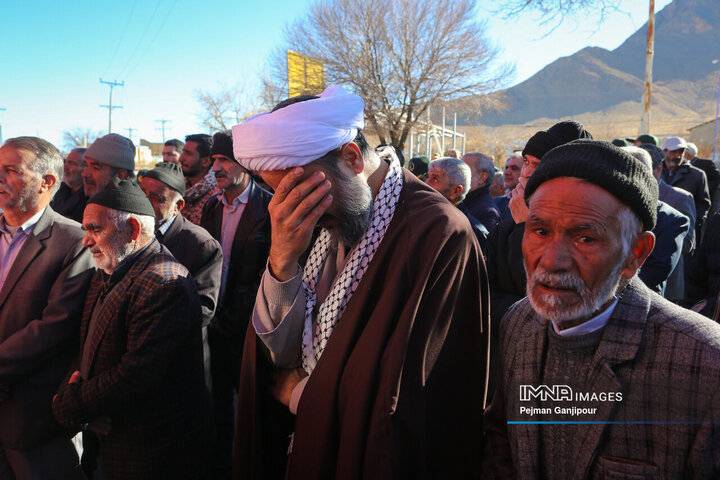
299,133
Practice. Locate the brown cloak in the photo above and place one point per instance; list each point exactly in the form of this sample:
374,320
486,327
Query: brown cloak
399,391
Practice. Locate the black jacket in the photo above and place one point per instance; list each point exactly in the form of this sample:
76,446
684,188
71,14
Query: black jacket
693,180
480,205
201,254
248,257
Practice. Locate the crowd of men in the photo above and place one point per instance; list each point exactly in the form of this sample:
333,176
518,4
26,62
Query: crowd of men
363,320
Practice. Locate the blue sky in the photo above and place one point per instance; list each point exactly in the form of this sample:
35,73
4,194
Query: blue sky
52,55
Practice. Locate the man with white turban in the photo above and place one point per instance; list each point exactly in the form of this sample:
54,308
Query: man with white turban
378,341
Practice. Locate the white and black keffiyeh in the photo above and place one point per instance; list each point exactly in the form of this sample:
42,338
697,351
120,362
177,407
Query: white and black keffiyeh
315,337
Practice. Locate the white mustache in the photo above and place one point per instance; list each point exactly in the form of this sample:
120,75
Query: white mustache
558,280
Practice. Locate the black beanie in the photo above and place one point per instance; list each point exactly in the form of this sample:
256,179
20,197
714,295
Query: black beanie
170,174
562,132
223,145
606,166
125,196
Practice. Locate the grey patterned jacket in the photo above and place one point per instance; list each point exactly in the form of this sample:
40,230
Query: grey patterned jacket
665,362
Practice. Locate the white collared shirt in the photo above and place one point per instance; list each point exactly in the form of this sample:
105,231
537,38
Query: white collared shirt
230,221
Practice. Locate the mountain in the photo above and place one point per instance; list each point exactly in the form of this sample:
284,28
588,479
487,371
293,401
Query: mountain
597,83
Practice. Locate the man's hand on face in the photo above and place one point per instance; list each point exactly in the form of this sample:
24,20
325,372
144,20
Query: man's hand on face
294,210
518,207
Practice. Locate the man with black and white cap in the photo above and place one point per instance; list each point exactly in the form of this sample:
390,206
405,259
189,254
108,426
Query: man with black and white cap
238,219
110,156
378,342
138,380
600,377
190,244
678,172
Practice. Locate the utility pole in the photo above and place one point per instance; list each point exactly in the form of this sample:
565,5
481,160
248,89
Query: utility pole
1,140
110,106
163,122
130,130
645,121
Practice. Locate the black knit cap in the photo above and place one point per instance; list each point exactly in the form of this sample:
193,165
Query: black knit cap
170,174
608,167
223,145
125,196
562,132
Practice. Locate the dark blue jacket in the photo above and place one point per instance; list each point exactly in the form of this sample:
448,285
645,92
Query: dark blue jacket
480,205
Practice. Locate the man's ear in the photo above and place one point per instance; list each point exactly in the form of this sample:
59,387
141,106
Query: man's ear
134,228
179,205
351,157
483,178
206,162
48,182
455,193
643,246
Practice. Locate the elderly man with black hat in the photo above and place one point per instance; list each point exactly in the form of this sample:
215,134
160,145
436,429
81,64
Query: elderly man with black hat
238,219
600,377
138,380
377,342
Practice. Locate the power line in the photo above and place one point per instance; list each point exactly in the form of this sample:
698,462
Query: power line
122,37
142,38
110,106
152,42
130,130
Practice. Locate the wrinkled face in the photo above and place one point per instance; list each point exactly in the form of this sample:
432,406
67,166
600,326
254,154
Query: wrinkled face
673,158
349,214
190,160
162,199
511,174
438,180
572,249
229,174
170,154
108,245
96,176
19,184
72,170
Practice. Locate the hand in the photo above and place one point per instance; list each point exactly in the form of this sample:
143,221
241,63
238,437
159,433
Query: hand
294,210
283,381
75,377
101,426
518,207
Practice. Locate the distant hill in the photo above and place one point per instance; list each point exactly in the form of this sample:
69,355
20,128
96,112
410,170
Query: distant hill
595,84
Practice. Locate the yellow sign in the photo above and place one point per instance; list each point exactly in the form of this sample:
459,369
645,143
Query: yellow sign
306,75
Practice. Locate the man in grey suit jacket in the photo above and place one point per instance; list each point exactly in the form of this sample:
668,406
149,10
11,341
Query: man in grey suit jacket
44,276
599,376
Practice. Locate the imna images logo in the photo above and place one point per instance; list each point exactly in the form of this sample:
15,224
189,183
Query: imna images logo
556,393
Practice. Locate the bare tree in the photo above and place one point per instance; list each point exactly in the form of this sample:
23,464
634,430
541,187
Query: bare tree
401,56
79,137
555,11
227,107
